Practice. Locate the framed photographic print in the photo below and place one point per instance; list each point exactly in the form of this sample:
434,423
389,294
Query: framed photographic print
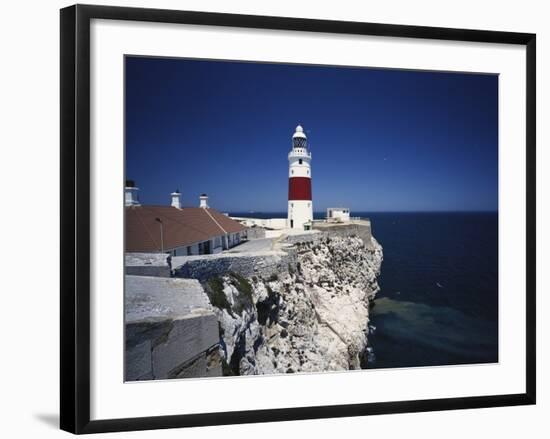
304,218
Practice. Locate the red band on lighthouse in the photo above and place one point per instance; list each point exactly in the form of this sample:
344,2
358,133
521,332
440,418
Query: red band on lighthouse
299,188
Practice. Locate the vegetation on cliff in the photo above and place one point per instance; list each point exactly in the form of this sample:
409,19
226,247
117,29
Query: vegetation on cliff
312,318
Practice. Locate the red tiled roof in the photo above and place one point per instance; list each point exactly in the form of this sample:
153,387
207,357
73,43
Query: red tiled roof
181,227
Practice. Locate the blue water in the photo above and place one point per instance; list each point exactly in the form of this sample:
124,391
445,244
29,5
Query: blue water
438,303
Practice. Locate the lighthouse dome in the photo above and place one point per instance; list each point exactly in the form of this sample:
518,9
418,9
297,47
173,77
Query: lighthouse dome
299,133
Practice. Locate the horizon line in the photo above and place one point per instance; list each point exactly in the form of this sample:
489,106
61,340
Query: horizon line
373,211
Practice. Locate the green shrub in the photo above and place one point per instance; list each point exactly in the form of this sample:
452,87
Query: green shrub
216,295
243,285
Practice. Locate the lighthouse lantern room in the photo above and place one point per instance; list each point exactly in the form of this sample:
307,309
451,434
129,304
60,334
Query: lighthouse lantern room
300,205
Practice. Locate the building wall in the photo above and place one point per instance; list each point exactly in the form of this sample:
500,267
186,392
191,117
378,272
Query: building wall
270,223
182,251
341,214
234,239
217,245
300,212
297,169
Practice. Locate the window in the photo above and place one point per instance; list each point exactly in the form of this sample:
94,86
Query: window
292,172
300,161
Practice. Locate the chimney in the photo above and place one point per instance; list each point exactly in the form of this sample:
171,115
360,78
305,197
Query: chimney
176,199
131,194
204,201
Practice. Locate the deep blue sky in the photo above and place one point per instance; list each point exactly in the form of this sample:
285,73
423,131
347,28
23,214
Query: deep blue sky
381,140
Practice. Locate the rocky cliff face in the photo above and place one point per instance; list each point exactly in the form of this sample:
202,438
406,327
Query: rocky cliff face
313,317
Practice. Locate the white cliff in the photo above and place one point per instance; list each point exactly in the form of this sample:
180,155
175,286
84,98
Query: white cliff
312,317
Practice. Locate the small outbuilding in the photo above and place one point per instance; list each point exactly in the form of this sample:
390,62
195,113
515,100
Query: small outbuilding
338,214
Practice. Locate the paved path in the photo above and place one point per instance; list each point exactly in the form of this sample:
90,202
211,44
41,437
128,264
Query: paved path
254,245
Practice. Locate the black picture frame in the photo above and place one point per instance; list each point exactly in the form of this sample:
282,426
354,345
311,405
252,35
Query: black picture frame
75,217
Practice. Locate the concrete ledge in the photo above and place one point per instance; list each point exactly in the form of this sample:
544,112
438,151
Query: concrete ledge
154,298
147,264
169,324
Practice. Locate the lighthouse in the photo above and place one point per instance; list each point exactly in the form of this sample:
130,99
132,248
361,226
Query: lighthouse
300,205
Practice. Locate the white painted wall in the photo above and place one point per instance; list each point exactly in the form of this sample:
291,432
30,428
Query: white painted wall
297,169
338,213
176,199
300,212
216,245
233,239
271,223
182,251
276,223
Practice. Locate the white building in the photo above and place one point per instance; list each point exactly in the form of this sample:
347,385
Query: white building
267,223
338,214
300,205
178,230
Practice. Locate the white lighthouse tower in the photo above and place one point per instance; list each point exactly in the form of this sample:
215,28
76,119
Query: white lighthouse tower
300,205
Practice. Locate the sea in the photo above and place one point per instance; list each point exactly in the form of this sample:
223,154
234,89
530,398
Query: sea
438,298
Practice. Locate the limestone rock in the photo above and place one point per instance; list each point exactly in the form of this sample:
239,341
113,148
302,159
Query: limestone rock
312,317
